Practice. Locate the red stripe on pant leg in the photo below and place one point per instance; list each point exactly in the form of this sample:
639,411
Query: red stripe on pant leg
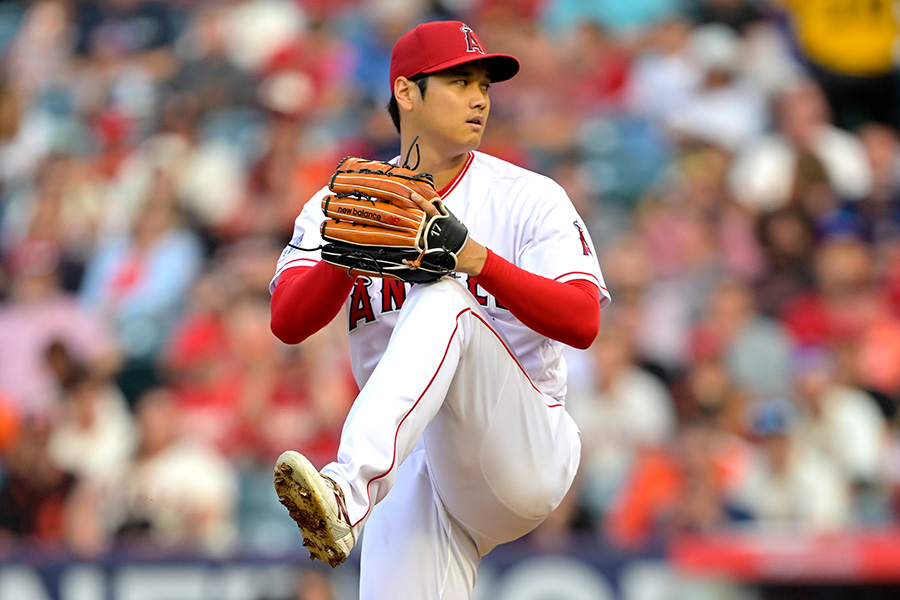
409,412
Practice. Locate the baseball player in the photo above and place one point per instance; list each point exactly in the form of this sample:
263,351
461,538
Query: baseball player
459,439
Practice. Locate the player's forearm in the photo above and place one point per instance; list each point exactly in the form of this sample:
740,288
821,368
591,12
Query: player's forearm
306,299
567,312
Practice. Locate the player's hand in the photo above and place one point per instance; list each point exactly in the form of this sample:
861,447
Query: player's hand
429,208
470,260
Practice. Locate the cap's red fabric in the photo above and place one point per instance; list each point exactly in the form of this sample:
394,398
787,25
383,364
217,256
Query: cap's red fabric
439,45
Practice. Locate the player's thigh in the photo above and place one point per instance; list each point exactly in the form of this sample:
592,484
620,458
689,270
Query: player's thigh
502,454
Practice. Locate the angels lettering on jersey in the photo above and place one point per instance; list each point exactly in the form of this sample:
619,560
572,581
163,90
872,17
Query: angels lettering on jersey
372,297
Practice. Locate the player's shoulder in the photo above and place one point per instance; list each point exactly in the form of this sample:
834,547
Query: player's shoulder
504,172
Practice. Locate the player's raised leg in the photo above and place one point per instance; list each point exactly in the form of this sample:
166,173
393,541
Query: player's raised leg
499,481
467,381
386,421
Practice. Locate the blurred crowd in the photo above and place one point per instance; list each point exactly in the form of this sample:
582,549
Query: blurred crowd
737,162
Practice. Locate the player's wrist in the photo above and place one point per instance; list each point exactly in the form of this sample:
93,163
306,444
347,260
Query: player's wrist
472,258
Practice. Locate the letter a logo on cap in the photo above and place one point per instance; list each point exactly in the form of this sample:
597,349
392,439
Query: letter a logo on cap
472,43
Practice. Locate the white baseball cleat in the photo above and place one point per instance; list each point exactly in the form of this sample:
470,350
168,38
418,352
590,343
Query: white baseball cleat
317,505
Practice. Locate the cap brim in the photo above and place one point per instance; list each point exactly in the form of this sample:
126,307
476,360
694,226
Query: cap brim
501,66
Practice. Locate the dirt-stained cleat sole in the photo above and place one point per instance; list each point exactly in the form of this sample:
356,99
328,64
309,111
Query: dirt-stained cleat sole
316,504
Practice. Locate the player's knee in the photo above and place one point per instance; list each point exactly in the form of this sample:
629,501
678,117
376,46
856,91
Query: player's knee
446,292
534,495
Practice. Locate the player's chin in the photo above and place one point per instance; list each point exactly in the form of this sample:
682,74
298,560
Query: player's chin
472,139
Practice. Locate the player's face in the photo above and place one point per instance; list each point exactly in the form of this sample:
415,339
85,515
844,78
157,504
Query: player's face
454,111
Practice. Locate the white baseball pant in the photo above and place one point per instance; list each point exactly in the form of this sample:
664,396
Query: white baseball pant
472,453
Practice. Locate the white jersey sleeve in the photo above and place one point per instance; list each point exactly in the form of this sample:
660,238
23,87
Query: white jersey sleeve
527,218
307,235
556,243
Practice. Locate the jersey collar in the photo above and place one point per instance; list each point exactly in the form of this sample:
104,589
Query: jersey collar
445,191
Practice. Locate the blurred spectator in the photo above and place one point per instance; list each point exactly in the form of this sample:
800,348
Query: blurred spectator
177,492
850,49
850,313
710,391
124,49
257,29
791,485
876,351
140,282
768,173
768,60
685,487
664,73
724,109
374,29
699,182
231,378
599,65
191,162
57,208
882,144
657,329
845,424
38,55
829,313
33,96
789,240
307,75
529,102
891,283
34,491
92,439
238,387
658,344
92,436
687,260
275,183
115,134
630,412
881,208
39,313
754,349
205,76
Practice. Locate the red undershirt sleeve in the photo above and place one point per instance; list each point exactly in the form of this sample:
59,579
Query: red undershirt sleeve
568,312
306,299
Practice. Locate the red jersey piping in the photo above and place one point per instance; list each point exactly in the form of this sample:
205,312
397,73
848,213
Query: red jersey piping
453,183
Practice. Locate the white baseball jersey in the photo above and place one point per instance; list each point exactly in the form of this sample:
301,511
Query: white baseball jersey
520,215
458,440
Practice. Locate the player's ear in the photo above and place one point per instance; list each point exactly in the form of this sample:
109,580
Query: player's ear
404,89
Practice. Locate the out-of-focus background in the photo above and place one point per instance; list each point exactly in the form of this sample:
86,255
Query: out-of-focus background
738,164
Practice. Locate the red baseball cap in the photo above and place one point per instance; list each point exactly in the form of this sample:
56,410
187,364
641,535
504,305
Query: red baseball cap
439,45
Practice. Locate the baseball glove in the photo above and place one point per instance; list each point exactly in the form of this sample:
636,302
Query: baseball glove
373,228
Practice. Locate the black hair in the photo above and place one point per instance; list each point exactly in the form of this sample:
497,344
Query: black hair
420,80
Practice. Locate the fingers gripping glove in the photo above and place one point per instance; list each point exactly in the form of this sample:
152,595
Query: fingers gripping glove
373,228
